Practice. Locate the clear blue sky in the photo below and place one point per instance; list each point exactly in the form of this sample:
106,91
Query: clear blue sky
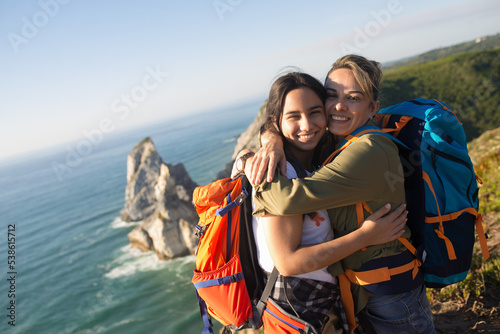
70,66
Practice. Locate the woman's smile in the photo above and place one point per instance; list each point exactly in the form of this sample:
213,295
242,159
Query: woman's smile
303,122
347,106
336,118
307,137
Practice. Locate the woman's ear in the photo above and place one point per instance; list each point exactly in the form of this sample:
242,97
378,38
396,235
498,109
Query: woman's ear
374,108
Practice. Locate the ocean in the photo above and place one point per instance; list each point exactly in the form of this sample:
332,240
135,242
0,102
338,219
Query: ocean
67,264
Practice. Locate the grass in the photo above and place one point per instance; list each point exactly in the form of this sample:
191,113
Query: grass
488,170
482,276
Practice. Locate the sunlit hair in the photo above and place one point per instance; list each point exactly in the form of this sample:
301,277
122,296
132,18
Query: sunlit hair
368,73
280,89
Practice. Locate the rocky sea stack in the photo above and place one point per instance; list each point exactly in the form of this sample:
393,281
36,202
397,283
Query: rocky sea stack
159,195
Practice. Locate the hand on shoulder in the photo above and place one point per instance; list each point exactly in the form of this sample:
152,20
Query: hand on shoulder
270,156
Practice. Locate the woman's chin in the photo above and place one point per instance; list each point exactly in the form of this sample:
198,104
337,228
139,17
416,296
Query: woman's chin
306,146
338,129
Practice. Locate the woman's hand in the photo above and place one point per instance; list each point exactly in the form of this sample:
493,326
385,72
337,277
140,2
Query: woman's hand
380,229
267,158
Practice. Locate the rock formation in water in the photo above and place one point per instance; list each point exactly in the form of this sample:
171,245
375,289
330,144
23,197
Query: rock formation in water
159,195
248,139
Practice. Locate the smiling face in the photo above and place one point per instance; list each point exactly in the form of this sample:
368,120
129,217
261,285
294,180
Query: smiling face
347,107
303,122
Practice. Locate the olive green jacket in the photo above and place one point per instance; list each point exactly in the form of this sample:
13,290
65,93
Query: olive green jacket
369,171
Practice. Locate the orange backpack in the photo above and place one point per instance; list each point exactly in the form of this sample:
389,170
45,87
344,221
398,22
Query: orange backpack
228,279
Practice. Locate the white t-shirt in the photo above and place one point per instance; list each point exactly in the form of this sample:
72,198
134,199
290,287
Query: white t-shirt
313,232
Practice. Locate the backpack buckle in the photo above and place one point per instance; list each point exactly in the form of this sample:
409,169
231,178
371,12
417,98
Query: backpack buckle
200,231
241,197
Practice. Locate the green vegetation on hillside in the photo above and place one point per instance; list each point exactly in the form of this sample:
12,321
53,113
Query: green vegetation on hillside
469,83
479,44
485,153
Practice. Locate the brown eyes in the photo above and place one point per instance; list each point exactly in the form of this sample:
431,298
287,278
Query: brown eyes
350,98
297,116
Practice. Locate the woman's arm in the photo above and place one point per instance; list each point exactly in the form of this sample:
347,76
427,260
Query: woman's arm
284,235
368,170
236,169
266,159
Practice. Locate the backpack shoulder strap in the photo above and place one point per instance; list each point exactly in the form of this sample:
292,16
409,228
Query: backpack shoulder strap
354,136
254,276
261,305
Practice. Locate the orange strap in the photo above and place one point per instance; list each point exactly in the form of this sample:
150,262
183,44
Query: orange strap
367,208
381,274
445,108
350,139
442,105
482,237
361,216
399,125
384,118
450,216
440,230
449,245
364,278
408,245
402,122
359,212
347,301
479,227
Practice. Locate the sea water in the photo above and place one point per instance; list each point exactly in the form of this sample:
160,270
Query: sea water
74,270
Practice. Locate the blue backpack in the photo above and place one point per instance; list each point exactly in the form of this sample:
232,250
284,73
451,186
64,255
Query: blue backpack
440,186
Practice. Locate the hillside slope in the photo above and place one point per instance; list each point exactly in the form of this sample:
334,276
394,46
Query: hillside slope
485,154
469,83
479,44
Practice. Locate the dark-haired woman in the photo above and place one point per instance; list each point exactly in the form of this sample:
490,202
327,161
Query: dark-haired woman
302,246
368,171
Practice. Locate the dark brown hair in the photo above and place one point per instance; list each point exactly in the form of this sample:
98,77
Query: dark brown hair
280,89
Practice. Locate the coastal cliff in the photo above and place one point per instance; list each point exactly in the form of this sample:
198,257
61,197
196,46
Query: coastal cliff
248,139
159,196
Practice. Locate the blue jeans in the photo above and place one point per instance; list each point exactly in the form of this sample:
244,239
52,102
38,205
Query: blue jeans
404,313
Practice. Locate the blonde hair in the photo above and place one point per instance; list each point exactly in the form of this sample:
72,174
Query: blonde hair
368,73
